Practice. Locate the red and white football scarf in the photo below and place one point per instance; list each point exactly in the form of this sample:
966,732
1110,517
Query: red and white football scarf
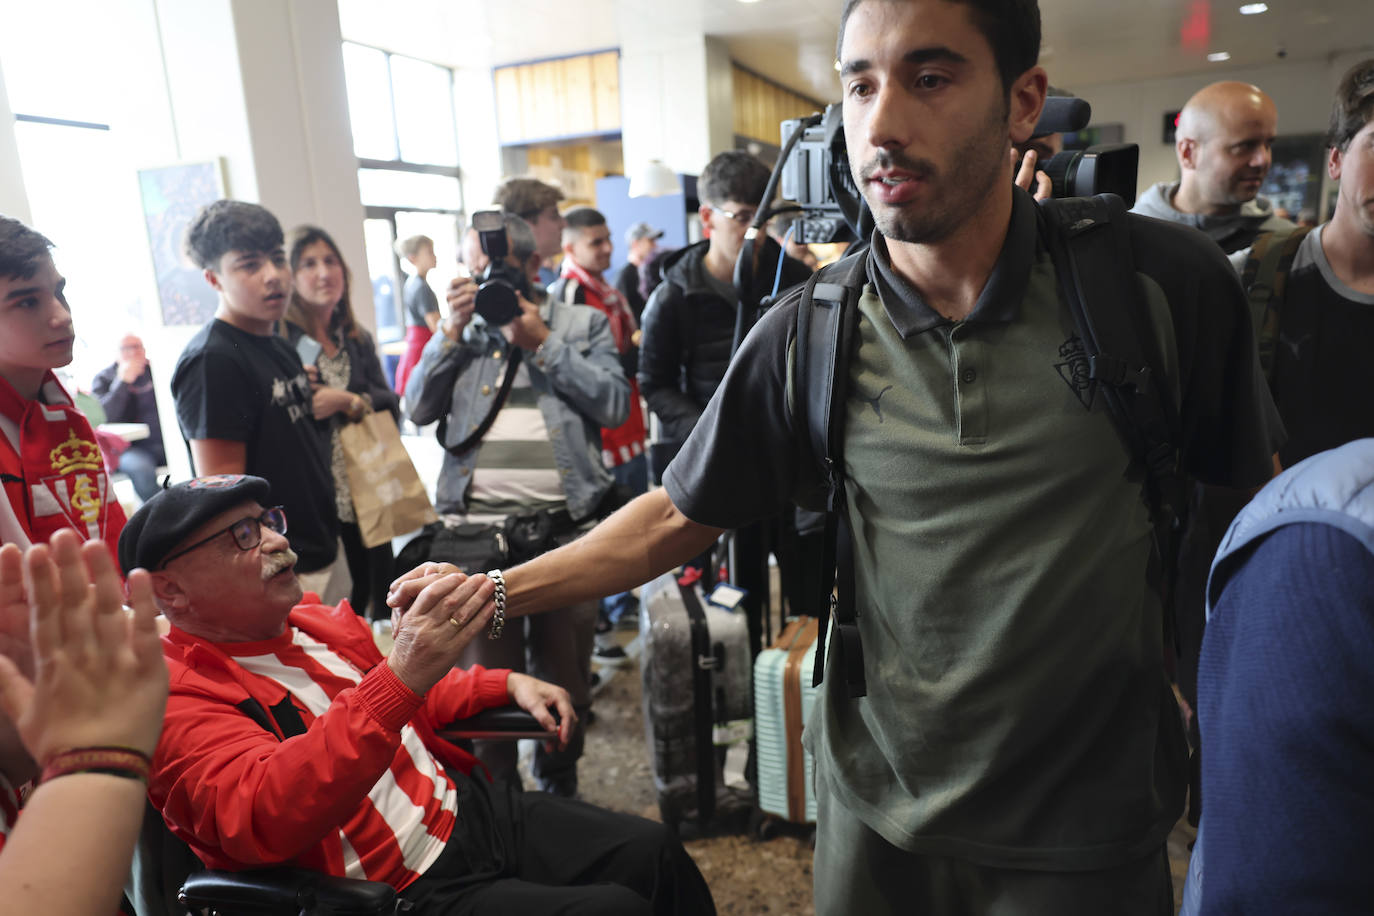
52,470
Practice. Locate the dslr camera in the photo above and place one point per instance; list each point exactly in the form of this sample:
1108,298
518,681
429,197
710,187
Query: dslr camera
815,171
500,285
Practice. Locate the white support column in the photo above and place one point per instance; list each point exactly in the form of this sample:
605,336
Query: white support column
260,83
14,203
479,138
676,100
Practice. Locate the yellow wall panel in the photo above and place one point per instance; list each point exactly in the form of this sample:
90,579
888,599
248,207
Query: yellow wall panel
761,105
569,97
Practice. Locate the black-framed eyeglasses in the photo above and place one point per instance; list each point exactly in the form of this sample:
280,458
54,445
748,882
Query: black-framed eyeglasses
743,217
246,532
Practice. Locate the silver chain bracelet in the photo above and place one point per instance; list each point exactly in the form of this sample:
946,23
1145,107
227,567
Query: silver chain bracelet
498,620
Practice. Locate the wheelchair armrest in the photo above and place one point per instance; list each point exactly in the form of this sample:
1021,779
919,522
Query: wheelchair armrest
289,891
497,723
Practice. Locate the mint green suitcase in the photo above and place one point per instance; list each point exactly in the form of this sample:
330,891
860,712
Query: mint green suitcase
783,697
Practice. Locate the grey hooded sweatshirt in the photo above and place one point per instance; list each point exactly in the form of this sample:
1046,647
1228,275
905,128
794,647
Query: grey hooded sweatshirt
1233,232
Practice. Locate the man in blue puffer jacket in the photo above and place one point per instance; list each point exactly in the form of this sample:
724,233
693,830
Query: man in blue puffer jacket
1283,698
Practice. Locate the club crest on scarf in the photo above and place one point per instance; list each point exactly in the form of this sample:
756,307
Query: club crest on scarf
78,482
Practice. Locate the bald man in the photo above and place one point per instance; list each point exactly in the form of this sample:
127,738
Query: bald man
1224,144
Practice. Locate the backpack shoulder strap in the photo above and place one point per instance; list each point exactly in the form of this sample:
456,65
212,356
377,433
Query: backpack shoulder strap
1265,279
826,334
1090,242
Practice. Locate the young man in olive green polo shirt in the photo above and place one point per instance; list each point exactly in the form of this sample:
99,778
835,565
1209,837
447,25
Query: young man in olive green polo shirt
1018,750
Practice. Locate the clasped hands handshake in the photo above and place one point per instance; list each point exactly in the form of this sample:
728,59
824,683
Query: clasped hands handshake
436,611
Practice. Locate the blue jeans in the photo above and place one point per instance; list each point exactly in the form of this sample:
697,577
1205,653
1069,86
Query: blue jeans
142,471
634,475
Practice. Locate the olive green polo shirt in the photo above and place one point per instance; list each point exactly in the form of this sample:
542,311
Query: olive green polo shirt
1017,712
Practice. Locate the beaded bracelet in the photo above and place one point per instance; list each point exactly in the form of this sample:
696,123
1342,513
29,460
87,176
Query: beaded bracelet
498,620
112,761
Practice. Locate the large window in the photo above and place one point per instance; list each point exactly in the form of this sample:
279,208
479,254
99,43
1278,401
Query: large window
405,138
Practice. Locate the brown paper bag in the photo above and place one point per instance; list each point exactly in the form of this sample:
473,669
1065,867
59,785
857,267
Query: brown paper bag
388,497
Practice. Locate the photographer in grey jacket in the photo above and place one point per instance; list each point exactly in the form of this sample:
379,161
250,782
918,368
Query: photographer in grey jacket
542,385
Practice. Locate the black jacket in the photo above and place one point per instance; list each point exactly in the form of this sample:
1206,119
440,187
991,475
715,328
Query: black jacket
688,329
365,374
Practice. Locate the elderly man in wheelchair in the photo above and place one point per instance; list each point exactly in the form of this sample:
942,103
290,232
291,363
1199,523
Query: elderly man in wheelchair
290,740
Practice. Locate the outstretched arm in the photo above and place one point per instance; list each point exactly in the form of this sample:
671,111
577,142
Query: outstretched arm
99,682
646,538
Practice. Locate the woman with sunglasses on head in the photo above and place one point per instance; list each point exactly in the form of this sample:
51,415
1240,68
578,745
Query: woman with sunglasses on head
348,383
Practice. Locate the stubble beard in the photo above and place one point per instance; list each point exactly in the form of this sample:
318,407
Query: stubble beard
974,168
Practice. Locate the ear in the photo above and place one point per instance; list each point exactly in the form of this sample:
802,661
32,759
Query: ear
1334,159
1186,148
213,279
1026,100
704,211
168,593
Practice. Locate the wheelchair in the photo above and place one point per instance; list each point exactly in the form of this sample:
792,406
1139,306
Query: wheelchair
301,892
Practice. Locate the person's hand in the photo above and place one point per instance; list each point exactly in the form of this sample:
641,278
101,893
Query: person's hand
448,613
1027,176
407,586
129,369
100,679
328,401
14,611
528,330
536,697
462,299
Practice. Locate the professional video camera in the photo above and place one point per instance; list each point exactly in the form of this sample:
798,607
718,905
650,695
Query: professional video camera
500,283
814,170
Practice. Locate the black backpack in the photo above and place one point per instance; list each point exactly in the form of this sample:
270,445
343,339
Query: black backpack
1265,278
1090,242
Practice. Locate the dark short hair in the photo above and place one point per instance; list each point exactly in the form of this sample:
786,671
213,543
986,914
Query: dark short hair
526,197
22,250
1011,27
1354,105
231,225
733,175
584,218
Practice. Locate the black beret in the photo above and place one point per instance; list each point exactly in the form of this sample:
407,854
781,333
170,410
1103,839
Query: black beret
162,523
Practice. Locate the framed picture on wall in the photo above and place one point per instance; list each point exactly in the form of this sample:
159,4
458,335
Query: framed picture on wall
1294,181
171,195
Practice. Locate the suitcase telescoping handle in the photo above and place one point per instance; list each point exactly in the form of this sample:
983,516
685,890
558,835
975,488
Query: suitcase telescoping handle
707,661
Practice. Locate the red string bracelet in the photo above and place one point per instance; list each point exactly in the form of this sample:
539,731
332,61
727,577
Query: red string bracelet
112,761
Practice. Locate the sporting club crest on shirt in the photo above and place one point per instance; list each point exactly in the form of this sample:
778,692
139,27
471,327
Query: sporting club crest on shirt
1075,370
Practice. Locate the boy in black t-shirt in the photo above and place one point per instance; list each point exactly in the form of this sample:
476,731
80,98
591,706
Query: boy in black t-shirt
242,396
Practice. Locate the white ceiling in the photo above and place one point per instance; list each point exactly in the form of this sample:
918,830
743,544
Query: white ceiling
792,41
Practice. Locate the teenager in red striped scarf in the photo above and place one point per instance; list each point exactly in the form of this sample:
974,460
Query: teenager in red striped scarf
586,256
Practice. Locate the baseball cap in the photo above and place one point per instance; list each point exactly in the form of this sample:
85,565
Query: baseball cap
642,230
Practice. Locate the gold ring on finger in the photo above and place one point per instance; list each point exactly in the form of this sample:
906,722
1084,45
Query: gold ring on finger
454,622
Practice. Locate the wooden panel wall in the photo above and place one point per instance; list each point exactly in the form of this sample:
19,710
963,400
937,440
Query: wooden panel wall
570,97
761,105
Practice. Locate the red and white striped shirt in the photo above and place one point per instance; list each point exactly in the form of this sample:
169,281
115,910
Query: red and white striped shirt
401,827
11,800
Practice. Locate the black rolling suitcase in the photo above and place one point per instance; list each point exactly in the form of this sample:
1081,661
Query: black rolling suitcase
697,698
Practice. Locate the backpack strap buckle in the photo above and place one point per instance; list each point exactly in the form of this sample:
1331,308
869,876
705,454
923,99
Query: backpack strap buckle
1118,372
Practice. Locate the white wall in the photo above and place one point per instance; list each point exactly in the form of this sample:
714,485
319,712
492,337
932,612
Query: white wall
1302,90
14,203
676,101
479,144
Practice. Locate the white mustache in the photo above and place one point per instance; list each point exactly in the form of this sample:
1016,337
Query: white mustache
274,563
